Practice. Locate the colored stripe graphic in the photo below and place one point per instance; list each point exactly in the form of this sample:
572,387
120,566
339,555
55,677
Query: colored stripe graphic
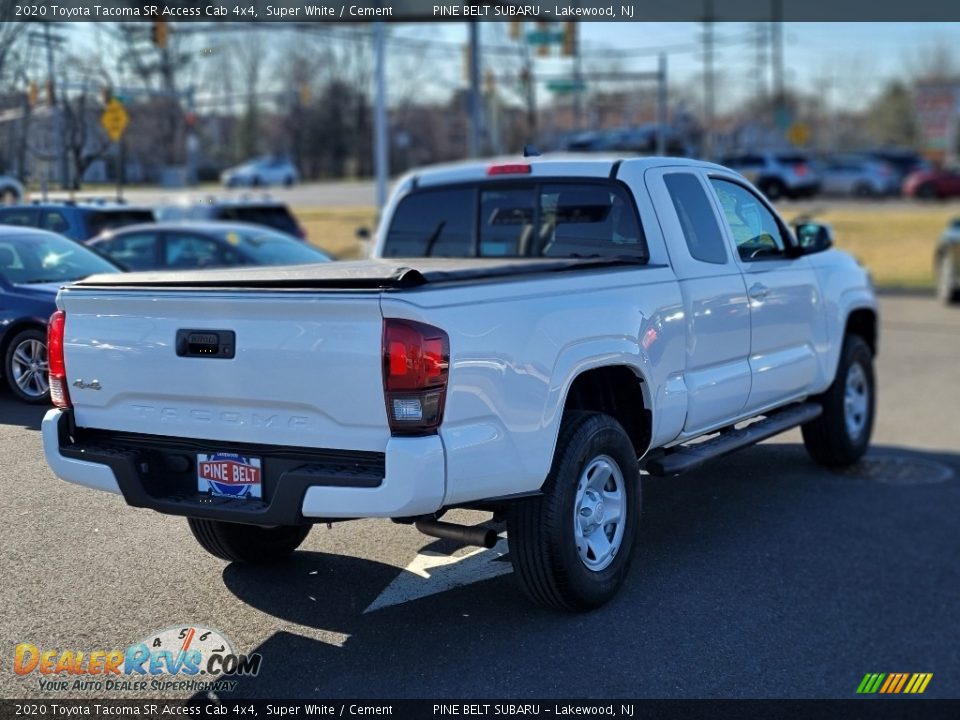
894,683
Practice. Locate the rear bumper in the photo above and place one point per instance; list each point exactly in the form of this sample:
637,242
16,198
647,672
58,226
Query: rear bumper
300,485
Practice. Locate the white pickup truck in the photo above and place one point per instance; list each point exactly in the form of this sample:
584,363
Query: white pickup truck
532,335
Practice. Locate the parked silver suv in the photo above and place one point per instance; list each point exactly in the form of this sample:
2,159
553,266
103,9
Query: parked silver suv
777,174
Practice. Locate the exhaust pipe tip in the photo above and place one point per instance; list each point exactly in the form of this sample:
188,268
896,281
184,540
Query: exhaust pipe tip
478,536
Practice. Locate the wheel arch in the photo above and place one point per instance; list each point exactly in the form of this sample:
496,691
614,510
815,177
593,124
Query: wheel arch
863,322
619,390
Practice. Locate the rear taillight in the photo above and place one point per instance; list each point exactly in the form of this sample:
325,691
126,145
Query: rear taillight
58,371
416,361
800,170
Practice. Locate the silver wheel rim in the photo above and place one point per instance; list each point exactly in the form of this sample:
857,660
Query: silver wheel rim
856,401
945,286
599,513
29,368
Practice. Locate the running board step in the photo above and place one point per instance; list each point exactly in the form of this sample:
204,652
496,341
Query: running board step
687,457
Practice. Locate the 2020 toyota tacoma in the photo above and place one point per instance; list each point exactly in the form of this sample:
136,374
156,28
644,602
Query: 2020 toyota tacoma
531,336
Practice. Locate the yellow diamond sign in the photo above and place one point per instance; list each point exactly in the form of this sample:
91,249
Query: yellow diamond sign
114,119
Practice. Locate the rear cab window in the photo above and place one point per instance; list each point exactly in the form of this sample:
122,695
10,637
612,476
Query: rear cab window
510,219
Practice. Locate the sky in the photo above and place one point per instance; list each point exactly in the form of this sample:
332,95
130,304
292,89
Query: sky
847,63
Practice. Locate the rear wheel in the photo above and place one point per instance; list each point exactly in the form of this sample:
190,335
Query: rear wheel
773,189
926,192
252,544
841,435
571,547
25,366
947,291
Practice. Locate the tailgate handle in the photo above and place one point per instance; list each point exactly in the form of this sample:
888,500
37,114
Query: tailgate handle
206,343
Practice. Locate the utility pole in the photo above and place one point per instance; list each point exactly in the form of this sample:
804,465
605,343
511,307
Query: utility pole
776,39
380,158
662,117
708,80
760,42
476,107
55,106
577,77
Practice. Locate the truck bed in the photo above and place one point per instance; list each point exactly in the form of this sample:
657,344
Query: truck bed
380,274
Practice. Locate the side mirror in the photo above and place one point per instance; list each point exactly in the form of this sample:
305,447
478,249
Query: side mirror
813,237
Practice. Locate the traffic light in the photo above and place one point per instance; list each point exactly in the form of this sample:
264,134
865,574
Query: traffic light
33,94
516,30
306,94
105,95
50,96
570,39
160,33
489,82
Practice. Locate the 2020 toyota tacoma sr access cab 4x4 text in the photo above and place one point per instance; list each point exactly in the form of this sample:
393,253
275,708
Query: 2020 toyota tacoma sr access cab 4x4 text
530,336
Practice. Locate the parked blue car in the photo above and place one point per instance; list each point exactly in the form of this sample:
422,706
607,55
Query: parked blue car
34,264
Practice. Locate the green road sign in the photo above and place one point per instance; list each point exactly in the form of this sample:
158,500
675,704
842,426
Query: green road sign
544,37
566,85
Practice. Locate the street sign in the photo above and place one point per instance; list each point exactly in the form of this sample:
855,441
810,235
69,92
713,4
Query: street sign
544,37
799,133
114,119
566,86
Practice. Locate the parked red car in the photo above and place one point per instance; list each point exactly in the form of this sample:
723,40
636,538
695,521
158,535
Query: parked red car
932,184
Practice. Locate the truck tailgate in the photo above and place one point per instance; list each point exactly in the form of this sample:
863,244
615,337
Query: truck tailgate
306,369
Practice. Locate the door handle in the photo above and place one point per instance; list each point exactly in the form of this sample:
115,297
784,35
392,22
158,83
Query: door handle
759,291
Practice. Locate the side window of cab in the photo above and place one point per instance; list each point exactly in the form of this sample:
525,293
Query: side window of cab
755,230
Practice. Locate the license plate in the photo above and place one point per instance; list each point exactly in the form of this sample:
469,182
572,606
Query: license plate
230,475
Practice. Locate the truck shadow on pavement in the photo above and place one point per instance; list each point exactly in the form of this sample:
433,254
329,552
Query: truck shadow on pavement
761,575
14,412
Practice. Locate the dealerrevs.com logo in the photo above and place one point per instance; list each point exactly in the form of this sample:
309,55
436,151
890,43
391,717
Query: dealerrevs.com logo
183,658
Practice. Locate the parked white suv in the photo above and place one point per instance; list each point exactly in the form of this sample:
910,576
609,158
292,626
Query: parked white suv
579,320
777,174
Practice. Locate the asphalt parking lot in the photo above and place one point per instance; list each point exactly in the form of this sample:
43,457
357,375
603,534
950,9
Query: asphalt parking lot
759,576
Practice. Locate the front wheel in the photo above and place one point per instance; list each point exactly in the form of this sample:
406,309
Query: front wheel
947,291
25,366
252,544
841,435
571,547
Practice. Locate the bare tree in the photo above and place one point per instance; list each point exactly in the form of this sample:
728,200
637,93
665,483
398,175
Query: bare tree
84,139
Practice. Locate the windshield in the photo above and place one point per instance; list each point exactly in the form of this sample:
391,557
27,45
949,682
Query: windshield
113,219
48,258
265,247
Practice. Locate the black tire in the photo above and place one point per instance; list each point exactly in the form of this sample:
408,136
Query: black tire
863,190
288,181
540,530
252,544
947,291
828,439
256,181
773,189
926,192
35,390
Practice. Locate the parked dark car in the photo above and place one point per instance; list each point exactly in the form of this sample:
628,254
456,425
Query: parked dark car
200,245
76,220
33,266
266,212
903,162
937,184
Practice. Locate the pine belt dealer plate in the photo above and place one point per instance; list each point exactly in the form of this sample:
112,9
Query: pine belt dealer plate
230,475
